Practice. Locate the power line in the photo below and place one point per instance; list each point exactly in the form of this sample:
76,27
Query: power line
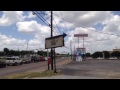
37,13
42,13
65,22
57,26
47,15
41,18
88,29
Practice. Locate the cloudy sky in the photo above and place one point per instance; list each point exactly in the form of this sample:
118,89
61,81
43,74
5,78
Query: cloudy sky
17,28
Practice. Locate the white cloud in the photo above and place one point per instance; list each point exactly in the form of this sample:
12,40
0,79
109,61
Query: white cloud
34,42
84,18
94,42
112,24
11,17
11,42
32,27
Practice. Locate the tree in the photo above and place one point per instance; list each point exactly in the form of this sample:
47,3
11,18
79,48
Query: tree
106,54
1,53
45,53
6,51
40,53
23,52
87,55
12,53
97,54
116,54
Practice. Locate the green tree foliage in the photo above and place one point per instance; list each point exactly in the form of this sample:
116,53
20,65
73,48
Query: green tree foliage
116,54
1,53
41,53
106,54
87,55
6,51
97,54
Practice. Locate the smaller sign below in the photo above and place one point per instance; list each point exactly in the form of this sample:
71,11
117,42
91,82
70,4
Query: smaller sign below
82,50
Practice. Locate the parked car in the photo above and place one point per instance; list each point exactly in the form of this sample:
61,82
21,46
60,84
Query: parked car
34,59
26,60
41,58
2,64
46,58
112,58
100,58
13,61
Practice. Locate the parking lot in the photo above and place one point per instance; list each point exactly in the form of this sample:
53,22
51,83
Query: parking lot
107,69
89,69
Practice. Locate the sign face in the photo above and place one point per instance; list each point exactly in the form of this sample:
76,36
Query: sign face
80,35
82,50
53,42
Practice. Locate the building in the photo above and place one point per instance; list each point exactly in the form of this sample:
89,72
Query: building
116,50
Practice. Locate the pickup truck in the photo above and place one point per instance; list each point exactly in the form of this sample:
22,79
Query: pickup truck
13,61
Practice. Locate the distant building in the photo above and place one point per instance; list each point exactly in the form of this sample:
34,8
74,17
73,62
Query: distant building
110,51
116,50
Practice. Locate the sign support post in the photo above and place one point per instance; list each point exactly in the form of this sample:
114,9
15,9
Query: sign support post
54,62
53,42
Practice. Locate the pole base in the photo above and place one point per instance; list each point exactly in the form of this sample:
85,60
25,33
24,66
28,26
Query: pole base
55,71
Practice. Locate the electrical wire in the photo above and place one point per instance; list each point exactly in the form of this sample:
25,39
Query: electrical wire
57,26
41,18
65,22
88,29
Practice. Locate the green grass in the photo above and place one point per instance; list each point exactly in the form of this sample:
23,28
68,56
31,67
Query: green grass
29,75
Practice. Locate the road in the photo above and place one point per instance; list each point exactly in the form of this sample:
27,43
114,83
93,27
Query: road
9,70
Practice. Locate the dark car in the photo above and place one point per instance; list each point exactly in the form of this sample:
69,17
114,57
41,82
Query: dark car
2,64
34,59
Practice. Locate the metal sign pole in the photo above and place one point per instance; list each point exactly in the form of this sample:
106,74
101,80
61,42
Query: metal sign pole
54,63
83,48
78,42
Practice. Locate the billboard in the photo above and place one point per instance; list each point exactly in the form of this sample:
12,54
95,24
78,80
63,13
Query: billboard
53,42
80,35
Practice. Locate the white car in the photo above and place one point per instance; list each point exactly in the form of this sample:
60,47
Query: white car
46,58
13,61
112,58
100,58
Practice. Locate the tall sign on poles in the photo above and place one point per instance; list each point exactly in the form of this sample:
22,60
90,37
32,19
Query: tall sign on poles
81,35
53,42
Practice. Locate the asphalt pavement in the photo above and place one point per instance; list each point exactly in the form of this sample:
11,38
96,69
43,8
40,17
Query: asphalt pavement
89,69
37,66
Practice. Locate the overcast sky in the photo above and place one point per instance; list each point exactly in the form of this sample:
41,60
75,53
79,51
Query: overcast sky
19,27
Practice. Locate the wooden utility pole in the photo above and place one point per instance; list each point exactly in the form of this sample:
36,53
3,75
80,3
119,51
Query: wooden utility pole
51,36
71,48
